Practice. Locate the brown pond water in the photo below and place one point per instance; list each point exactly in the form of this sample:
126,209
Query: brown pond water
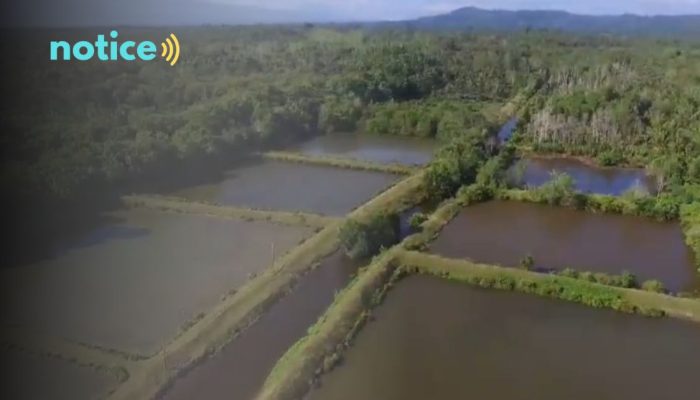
435,339
240,369
504,233
133,282
30,377
588,178
293,187
376,148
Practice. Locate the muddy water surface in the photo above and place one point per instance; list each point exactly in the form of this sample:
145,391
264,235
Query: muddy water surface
434,339
505,232
375,148
30,377
293,187
133,282
240,369
588,178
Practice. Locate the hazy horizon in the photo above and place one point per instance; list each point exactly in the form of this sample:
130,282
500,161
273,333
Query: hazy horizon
197,12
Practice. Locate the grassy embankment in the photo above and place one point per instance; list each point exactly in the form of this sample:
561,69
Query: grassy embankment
690,221
596,203
340,162
184,206
570,289
317,352
237,311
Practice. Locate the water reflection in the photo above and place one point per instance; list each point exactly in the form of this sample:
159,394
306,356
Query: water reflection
293,187
536,171
506,131
376,148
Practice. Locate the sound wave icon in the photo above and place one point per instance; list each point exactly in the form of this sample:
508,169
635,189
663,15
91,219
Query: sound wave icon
171,49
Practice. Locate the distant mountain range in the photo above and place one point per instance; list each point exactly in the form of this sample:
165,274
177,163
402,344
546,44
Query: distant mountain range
476,19
68,13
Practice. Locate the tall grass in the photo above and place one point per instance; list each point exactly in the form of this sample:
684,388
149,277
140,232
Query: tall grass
552,286
663,207
185,206
340,162
690,220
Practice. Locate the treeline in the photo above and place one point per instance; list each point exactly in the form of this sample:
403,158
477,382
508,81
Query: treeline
622,113
68,126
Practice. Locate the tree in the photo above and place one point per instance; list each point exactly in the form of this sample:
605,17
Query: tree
361,240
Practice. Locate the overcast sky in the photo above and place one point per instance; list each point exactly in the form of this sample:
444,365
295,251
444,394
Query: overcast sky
165,12
398,9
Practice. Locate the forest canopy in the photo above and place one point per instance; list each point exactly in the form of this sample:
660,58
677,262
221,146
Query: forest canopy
69,128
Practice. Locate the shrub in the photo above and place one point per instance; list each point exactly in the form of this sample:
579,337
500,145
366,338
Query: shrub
610,158
558,190
605,204
417,220
569,273
475,194
361,240
690,219
628,280
528,262
455,165
654,286
666,207
491,173
516,175
579,201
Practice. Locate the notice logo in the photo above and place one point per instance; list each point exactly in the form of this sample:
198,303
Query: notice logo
112,50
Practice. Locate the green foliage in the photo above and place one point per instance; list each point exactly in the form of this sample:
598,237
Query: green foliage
610,158
339,114
690,220
361,240
491,174
246,88
626,280
665,207
527,263
474,194
557,190
443,119
417,220
578,291
391,71
654,286
580,103
455,165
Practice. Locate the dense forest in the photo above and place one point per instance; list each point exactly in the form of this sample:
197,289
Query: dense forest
72,128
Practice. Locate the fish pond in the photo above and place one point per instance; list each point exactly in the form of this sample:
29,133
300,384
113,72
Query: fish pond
436,339
536,171
375,148
31,377
286,186
240,368
504,232
134,282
